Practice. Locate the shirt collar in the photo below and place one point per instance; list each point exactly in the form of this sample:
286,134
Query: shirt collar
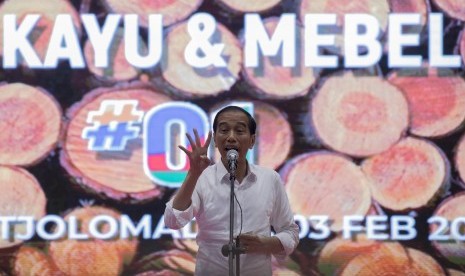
222,173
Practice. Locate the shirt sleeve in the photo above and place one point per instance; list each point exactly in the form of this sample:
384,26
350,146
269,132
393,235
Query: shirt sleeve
177,219
282,220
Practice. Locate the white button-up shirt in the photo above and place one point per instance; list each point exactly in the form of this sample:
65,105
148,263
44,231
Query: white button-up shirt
264,203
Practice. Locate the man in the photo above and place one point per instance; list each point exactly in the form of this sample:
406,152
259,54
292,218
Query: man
205,195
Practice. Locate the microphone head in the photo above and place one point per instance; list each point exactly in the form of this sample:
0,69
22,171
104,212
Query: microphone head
232,155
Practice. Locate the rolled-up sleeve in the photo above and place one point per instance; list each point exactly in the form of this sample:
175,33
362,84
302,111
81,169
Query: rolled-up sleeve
176,219
282,220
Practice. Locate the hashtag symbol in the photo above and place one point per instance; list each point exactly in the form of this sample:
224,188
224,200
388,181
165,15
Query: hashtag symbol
113,125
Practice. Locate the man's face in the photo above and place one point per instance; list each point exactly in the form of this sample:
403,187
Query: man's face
232,132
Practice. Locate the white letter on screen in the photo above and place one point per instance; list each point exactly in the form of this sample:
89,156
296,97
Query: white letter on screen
100,39
304,226
15,40
64,44
6,224
313,40
283,38
376,224
73,230
349,227
162,230
400,224
131,41
353,39
30,226
95,227
128,229
397,40
59,229
436,44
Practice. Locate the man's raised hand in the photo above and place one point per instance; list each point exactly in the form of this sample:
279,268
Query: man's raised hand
198,158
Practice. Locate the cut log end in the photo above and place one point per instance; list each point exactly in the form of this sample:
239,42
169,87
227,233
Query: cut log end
274,135
166,261
172,10
30,124
94,256
436,103
411,174
367,114
452,249
33,261
453,8
21,195
460,158
316,181
411,262
42,31
410,6
241,6
338,252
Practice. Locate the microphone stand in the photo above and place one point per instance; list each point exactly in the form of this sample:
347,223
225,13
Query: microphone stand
234,250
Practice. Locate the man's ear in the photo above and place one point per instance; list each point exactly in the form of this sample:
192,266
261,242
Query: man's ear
252,142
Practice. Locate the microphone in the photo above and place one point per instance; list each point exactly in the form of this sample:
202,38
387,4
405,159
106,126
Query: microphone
232,156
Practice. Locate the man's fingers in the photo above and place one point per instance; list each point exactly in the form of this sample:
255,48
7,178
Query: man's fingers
184,150
197,138
191,141
209,137
246,237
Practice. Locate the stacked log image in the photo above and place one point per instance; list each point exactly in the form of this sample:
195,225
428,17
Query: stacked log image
376,141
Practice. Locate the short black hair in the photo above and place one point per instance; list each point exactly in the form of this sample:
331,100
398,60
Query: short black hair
252,124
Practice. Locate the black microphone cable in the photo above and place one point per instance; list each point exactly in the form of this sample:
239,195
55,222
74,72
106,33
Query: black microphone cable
240,208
